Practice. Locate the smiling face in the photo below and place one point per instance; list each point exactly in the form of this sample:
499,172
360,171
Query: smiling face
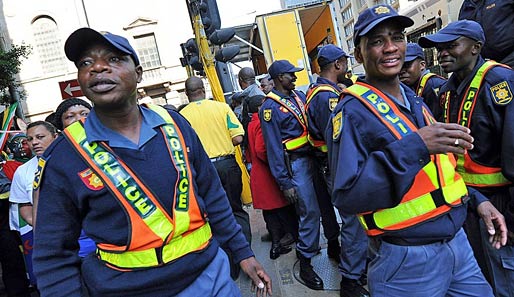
39,138
458,56
382,51
287,80
107,76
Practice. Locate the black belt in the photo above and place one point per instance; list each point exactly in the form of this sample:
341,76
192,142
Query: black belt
221,158
403,242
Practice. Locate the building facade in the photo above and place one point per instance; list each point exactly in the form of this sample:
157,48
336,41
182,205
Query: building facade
155,29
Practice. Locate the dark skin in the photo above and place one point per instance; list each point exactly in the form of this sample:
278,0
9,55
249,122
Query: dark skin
285,84
382,52
411,72
109,79
459,56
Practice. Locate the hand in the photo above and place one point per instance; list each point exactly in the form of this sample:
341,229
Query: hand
495,223
291,195
510,238
260,279
441,138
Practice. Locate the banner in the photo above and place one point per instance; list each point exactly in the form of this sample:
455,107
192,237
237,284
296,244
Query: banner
7,123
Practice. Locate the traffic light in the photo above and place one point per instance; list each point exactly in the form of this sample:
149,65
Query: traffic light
219,37
210,16
192,55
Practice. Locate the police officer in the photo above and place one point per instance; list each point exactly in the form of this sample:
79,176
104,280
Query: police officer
284,130
479,96
497,20
322,97
425,84
139,183
393,166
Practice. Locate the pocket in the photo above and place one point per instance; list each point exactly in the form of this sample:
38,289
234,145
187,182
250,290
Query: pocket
508,263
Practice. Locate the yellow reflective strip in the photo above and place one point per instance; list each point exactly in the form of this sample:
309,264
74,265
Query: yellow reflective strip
183,245
323,148
358,89
177,248
489,179
431,170
485,179
423,82
417,206
130,259
5,195
296,142
363,222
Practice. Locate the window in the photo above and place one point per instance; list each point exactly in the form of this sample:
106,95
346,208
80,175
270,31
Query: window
348,29
48,45
349,43
342,3
347,14
362,3
147,51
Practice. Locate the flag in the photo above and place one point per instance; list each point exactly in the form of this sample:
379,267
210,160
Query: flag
7,123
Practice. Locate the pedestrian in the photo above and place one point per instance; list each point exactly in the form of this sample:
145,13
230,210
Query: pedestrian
219,131
279,214
322,97
112,174
284,129
479,96
393,166
418,77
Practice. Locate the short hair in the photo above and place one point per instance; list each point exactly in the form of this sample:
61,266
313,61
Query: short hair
51,128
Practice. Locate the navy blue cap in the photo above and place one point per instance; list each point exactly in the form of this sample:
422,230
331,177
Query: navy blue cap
281,67
454,30
373,16
329,53
413,52
83,37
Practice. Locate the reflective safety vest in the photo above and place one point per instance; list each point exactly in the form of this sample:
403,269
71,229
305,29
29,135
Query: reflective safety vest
299,113
423,83
311,93
435,189
475,174
155,237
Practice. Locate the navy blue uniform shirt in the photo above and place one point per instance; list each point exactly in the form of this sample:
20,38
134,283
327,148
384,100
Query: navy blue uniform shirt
69,203
278,124
319,109
373,170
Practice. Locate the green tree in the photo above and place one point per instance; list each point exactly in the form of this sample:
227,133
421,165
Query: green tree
10,62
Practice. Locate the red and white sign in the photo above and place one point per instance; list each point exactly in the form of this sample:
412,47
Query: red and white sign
70,88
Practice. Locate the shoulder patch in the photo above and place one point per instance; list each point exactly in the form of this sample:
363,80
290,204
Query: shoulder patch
337,125
91,180
267,115
332,103
502,95
39,173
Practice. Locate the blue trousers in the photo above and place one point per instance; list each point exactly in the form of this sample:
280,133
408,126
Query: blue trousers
307,207
214,281
354,241
354,247
432,270
501,265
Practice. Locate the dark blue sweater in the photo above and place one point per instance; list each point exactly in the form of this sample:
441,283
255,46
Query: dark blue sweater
69,203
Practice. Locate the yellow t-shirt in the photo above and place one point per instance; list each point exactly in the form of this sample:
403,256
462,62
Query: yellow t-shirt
216,125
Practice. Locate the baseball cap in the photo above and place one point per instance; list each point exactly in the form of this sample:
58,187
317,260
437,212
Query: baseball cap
373,16
78,40
329,53
454,30
280,67
413,52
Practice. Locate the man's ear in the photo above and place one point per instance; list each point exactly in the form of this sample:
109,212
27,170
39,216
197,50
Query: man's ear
477,48
358,54
423,65
139,73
